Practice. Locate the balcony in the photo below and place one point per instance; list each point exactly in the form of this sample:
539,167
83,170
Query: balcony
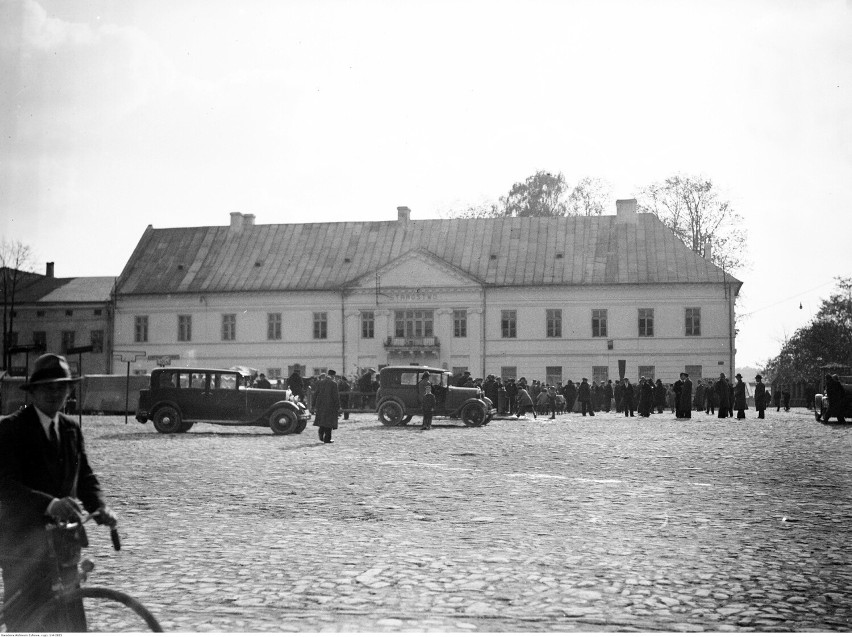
404,346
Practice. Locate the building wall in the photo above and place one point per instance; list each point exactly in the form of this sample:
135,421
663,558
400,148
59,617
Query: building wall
53,319
482,351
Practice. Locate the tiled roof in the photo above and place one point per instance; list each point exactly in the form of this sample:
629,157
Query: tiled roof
325,256
87,289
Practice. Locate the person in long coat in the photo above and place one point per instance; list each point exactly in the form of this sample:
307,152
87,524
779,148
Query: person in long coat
698,402
491,389
584,395
678,388
617,394
740,402
607,396
723,395
646,397
296,384
710,398
660,396
685,398
570,396
326,406
759,396
627,397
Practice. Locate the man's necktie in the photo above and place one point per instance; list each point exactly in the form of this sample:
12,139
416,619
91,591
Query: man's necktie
54,439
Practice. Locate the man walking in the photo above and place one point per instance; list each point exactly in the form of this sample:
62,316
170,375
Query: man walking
326,406
723,395
740,403
627,397
584,395
44,472
759,396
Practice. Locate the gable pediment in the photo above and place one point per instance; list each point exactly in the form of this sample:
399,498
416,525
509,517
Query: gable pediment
416,269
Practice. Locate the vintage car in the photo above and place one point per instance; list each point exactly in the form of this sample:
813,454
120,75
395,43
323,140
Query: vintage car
179,397
398,399
821,399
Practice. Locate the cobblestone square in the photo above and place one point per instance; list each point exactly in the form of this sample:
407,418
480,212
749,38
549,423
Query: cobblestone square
576,524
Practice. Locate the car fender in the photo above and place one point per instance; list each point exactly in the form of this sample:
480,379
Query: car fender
289,404
165,403
471,401
818,401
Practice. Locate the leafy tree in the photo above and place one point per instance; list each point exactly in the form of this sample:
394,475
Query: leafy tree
15,257
541,195
695,212
828,339
589,197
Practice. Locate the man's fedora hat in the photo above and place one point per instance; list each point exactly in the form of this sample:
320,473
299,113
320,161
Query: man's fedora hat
49,368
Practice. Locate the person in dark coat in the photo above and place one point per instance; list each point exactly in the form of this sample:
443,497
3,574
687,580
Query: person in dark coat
740,402
776,396
326,405
343,389
785,396
607,396
584,395
678,388
491,389
723,395
427,404
836,394
645,397
570,396
262,382
617,395
685,398
660,396
44,473
759,396
627,397
698,400
710,398
296,384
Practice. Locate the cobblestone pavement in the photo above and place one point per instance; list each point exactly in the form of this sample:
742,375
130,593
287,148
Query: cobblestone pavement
579,524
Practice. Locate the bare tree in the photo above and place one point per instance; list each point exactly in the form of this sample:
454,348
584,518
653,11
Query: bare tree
590,197
695,212
15,262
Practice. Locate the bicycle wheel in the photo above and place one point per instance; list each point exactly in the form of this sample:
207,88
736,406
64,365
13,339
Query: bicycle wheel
109,611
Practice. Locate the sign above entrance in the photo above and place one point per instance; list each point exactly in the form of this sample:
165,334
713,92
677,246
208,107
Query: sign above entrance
413,296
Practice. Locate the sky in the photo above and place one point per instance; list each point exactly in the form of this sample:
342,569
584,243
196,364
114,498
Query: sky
117,114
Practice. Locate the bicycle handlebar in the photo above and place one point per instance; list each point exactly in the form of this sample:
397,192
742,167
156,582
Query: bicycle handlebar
113,529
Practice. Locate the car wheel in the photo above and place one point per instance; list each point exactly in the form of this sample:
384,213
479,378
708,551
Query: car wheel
391,413
186,427
301,427
167,420
283,421
473,415
406,420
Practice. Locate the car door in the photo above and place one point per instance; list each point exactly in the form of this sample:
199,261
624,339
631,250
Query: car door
228,400
196,399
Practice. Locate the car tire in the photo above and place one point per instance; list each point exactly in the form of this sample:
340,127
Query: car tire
301,427
185,427
167,420
391,413
407,419
473,415
283,421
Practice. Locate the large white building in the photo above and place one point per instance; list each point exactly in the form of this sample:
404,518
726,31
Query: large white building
549,299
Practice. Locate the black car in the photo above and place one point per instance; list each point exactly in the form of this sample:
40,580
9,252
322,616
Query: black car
179,397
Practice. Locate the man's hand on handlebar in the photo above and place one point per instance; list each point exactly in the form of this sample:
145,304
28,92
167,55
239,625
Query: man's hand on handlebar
104,515
65,509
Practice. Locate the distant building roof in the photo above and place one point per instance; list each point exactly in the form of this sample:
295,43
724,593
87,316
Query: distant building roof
514,251
87,289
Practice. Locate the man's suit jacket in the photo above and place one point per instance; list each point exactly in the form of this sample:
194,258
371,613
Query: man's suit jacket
32,474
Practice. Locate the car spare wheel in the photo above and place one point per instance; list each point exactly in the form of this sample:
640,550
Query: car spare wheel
167,420
391,412
283,421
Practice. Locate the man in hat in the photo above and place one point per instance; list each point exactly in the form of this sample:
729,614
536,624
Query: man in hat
740,402
326,405
759,396
44,473
584,395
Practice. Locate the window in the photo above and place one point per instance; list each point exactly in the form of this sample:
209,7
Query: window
185,327
40,313
460,323
693,321
600,373
509,323
98,312
554,323
413,323
368,324
229,327
320,370
553,375
273,372
458,371
67,341
694,372
40,341
69,312
508,372
141,329
647,371
320,324
273,326
96,338
646,322
599,323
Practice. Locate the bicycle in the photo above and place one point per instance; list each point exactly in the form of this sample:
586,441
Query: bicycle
106,610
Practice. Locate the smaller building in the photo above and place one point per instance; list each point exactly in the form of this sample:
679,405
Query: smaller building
51,314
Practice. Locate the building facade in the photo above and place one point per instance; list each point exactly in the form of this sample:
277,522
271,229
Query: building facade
548,299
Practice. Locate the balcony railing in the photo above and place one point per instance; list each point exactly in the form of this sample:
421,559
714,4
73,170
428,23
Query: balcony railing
421,343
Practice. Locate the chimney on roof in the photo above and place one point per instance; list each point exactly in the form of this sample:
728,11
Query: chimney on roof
236,222
403,214
708,250
625,211
248,220
49,269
